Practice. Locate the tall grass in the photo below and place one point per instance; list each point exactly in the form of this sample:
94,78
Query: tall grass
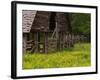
78,56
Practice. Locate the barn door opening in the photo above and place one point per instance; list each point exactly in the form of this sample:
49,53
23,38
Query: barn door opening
52,24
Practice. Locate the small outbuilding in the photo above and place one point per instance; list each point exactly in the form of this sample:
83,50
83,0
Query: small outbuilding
45,31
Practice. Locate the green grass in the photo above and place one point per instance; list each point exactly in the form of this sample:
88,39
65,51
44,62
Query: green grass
78,56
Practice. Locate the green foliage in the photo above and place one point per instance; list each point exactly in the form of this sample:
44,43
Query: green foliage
77,56
80,23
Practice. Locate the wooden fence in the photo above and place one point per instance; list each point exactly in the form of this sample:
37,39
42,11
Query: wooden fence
76,38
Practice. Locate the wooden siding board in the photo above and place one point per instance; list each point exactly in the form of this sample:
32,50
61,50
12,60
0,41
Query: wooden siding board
41,21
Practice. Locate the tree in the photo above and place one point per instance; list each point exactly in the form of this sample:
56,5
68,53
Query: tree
80,23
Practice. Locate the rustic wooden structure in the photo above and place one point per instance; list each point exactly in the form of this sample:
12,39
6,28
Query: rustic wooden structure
45,31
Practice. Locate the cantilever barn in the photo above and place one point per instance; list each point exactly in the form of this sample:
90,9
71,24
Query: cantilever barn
45,32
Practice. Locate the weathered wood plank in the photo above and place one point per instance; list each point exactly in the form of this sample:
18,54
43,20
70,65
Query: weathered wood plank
27,19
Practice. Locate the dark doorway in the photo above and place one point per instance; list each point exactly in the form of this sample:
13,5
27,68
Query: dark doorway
52,21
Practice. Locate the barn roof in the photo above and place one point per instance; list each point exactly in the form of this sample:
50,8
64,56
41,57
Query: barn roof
27,20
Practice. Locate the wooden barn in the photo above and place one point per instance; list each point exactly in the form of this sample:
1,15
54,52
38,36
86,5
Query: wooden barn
45,31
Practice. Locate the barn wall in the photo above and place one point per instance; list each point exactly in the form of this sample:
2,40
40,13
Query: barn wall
41,21
62,22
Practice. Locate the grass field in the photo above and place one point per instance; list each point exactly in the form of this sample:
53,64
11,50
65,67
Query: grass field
78,56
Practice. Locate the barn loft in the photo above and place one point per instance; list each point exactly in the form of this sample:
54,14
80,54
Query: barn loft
45,31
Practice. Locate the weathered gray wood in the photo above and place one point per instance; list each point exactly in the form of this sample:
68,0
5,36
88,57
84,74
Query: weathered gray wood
27,20
52,45
36,41
35,22
61,21
41,21
46,42
24,42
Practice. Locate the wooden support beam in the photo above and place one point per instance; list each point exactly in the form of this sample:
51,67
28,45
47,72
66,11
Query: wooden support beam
36,41
46,42
56,31
24,42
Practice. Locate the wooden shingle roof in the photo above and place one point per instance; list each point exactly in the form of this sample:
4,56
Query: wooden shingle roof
27,20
